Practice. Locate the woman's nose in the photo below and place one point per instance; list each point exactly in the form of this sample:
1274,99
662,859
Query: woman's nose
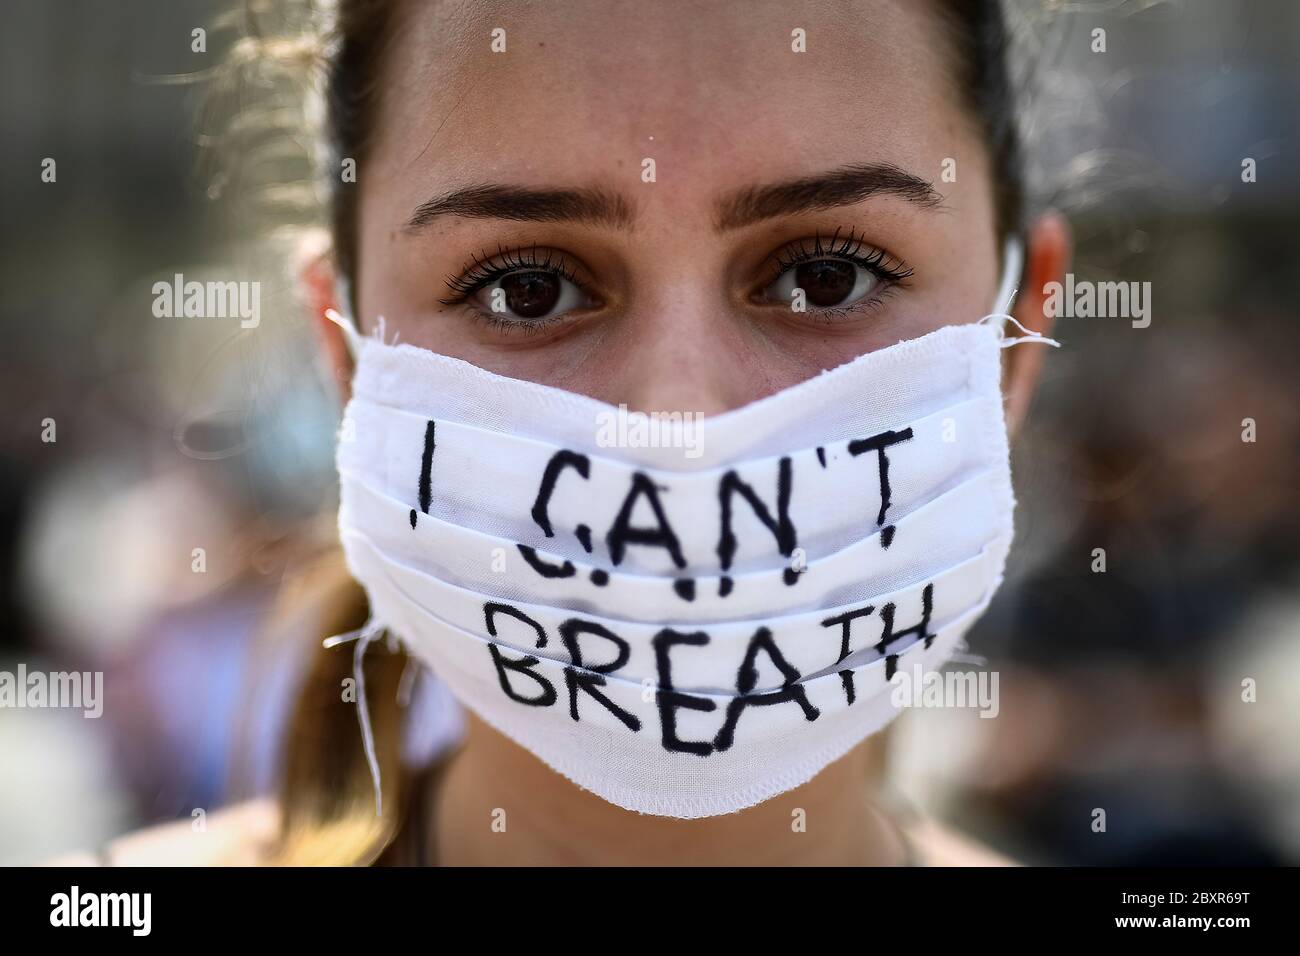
687,356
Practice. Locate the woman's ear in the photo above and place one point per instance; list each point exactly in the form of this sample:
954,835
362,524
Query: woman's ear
1047,256
316,281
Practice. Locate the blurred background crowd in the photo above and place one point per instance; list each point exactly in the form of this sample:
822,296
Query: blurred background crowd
1120,690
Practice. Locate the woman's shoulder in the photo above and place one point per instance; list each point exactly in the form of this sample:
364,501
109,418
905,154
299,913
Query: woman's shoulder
244,834
936,844
241,834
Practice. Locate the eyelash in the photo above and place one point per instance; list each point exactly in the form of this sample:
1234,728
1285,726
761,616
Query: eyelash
486,268
483,271
852,248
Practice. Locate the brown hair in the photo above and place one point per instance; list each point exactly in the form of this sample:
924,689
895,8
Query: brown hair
326,796
365,30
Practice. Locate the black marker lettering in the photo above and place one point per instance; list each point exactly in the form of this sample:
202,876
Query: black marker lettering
523,665
571,629
747,679
878,443
426,470
845,622
889,635
780,526
669,699
621,534
559,461
491,609
565,570
588,678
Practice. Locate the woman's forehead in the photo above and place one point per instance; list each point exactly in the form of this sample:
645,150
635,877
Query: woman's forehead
587,89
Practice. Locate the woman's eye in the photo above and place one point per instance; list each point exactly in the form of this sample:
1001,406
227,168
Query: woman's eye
530,295
826,283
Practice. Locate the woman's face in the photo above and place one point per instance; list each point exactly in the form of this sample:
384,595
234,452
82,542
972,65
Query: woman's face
623,201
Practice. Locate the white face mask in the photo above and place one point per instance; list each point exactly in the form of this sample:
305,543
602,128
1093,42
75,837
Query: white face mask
690,618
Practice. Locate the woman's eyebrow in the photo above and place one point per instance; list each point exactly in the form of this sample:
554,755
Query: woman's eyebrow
524,204
843,186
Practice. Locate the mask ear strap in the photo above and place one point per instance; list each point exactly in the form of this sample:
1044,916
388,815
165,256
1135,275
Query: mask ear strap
350,334
343,291
364,637
1012,259
1029,336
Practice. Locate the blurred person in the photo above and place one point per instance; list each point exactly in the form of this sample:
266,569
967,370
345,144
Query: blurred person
1128,707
